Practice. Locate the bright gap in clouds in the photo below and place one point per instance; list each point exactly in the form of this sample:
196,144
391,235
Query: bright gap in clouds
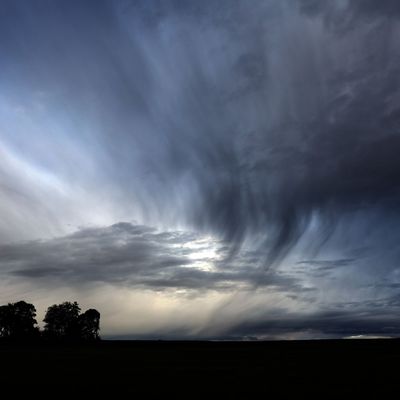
204,253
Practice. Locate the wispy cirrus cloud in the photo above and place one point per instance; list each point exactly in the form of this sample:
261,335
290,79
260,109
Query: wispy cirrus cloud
270,129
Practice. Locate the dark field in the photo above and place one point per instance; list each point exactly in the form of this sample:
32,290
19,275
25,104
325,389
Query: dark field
321,368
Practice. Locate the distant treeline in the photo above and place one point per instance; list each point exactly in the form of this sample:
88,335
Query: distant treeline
63,322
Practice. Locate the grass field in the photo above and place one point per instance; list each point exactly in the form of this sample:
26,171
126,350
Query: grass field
188,368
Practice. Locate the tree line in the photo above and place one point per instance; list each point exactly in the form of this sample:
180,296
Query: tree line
63,322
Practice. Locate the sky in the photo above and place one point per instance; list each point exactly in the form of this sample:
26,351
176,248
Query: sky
218,169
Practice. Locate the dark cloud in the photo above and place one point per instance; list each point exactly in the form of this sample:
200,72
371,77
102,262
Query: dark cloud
136,256
252,126
384,8
111,254
326,324
354,8
341,319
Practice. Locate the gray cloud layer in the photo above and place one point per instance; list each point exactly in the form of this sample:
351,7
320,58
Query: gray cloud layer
136,255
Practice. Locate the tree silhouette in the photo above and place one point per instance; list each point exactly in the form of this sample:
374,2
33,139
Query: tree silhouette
62,321
89,323
17,321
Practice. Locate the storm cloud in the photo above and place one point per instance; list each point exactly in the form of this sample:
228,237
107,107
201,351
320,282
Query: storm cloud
270,128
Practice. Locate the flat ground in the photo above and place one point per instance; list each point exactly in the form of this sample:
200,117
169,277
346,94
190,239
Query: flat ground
320,368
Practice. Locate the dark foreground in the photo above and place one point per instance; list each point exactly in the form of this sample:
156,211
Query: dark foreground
320,369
